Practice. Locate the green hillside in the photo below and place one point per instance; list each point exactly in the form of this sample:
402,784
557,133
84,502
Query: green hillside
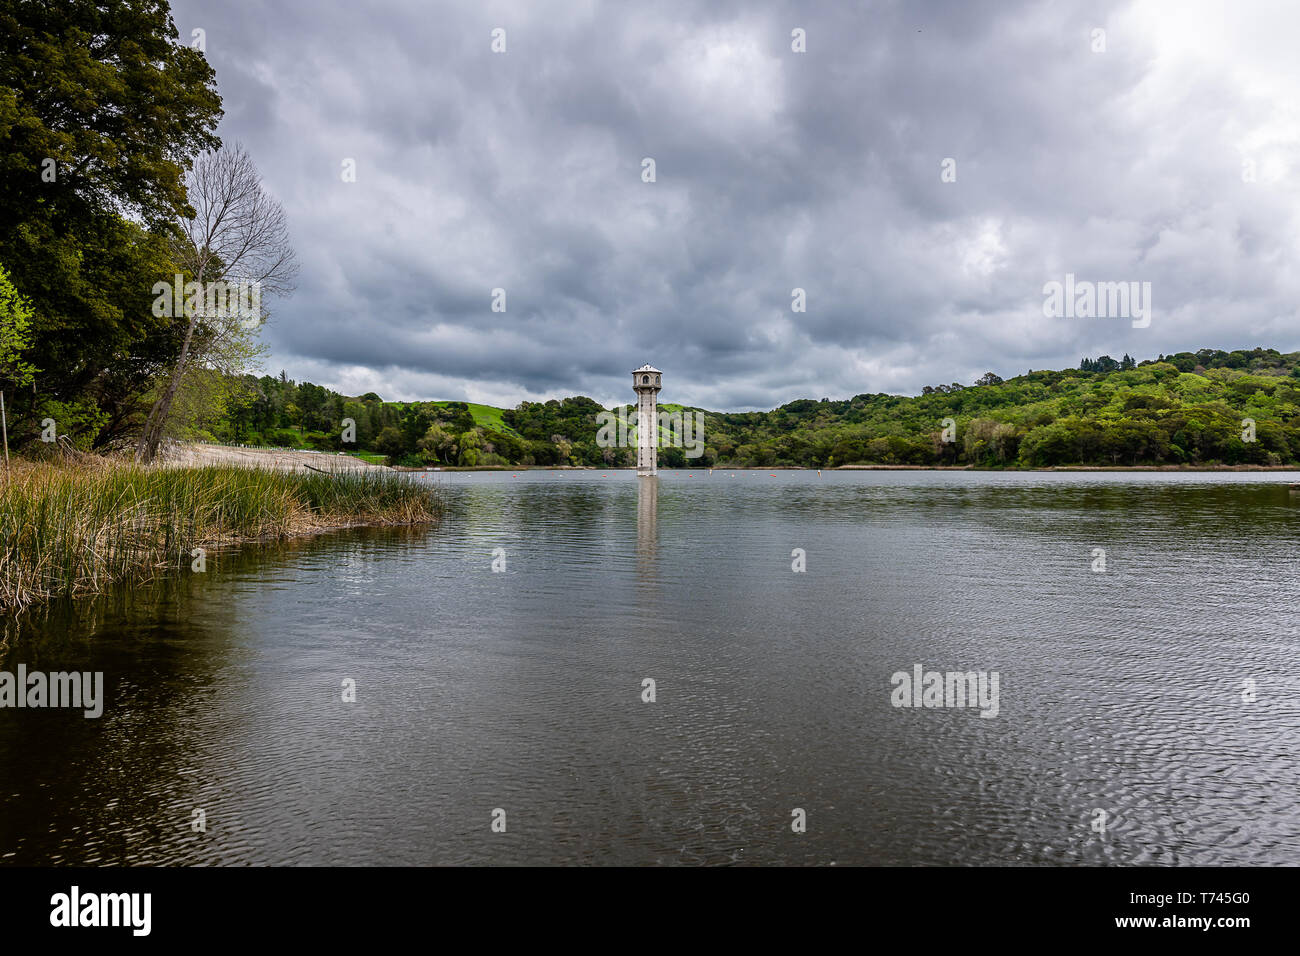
485,416
1194,408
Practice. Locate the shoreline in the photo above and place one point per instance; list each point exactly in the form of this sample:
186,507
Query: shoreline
73,528
287,459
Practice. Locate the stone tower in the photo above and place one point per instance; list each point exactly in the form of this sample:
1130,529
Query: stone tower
645,382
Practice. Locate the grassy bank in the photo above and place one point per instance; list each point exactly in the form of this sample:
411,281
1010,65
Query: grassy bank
73,529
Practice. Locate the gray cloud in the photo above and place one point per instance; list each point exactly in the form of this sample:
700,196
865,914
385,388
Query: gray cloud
775,170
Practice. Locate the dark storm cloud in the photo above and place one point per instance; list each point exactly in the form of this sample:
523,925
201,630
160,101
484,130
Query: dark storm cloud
776,170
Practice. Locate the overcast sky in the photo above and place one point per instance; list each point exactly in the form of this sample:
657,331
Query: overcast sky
775,170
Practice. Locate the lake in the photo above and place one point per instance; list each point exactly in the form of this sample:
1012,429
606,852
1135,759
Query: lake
1146,713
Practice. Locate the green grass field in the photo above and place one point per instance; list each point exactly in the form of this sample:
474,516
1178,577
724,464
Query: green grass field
486,416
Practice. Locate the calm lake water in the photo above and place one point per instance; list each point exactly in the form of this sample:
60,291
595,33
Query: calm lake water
521,690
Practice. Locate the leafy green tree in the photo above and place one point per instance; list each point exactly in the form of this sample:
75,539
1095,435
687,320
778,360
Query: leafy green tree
471,447
101,109
391,444
15,341
15,335
438,445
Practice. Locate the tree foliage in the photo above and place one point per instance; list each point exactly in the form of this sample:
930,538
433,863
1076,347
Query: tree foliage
15,336
101,111
1146,414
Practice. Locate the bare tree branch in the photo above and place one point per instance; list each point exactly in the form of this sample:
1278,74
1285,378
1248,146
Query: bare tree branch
238,234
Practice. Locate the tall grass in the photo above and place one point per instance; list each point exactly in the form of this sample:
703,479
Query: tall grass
72,529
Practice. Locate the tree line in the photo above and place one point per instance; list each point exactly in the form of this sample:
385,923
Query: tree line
1194,408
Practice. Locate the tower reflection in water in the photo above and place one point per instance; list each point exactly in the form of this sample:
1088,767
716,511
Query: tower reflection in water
647,516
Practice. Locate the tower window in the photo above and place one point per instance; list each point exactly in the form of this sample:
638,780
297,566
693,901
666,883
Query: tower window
645,379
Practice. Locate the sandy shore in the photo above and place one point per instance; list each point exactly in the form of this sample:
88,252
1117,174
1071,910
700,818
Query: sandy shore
185,455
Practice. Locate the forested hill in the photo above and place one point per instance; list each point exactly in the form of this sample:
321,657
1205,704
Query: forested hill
1192,408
